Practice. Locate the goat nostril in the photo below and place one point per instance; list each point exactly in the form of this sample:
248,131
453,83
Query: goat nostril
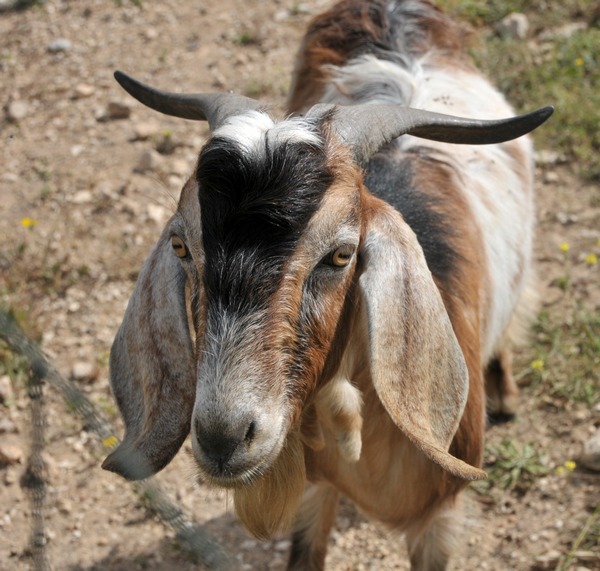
250,433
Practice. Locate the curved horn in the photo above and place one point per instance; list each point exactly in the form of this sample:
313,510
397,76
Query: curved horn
212,107
367,128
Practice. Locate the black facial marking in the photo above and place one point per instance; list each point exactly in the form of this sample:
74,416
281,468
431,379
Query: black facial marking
254,208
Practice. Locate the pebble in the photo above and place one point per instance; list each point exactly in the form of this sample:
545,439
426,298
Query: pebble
563,32
7,426
547,157
6,389
550,177
156,213
149,161
10,476
548,559
590,457
82,197
10,454
514,25
83,90
283,545
115,110
144,130
85,372
180,167
17,110
59,45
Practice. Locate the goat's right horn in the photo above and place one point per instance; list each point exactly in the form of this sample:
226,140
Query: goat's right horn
212,107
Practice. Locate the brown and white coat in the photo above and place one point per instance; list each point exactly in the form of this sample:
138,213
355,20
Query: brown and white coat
323,307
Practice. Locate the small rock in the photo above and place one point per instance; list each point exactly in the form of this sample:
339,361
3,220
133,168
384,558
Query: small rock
566,218
180,167
115,110
10,476
551,177
547,157
17,110
150,33
283,545
549,559
59,45
64,506
156,213
10,454
82,197
149,161
144,130
83,90
6,389
7,426
514,25
562,32
84,372
590,457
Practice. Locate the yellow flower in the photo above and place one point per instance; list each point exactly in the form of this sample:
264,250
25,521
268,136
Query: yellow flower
579,62
591,259
28,222
570,465
110,441
564,247
537,365
560,470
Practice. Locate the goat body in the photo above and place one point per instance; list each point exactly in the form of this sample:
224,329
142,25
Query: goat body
347,288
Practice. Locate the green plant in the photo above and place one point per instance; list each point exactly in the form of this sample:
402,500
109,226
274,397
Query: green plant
513,466
567,363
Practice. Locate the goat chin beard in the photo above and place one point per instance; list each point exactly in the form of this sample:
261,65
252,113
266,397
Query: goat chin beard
268,504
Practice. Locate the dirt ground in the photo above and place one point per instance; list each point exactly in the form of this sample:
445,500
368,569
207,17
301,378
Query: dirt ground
84,193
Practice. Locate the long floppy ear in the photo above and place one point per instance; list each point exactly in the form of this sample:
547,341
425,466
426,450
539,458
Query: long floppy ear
417,366
152,368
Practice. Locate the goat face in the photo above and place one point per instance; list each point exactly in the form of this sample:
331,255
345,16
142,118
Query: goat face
281,225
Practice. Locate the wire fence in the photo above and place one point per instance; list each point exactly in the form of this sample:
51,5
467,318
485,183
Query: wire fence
200,545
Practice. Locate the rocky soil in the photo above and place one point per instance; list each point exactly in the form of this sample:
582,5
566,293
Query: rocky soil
87,179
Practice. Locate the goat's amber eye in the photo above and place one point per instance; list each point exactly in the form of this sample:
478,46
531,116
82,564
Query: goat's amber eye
179,247
342,256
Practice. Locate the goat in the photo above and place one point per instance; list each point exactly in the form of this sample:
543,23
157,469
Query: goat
322,308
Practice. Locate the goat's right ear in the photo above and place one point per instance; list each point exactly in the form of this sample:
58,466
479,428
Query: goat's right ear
152,368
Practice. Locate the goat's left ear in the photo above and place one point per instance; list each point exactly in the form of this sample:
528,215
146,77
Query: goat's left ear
152,368
417,365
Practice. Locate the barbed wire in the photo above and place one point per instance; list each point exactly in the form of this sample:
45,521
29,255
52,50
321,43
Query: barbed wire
200,545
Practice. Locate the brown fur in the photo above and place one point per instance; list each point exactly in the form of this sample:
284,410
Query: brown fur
352,27
268,505
463,304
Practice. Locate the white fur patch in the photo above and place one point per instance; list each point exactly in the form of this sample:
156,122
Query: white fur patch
255,131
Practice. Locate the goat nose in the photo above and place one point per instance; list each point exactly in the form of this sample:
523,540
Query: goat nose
219,443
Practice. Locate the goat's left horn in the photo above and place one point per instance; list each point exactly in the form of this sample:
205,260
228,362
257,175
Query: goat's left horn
212,107
367,128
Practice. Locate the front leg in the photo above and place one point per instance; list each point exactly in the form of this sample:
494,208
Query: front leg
312,527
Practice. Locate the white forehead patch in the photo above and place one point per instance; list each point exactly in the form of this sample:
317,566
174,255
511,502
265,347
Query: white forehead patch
254,131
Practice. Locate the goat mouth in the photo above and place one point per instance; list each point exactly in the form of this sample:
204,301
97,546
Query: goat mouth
241,473
233,480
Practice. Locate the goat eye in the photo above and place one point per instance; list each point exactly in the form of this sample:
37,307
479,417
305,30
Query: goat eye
341,257
179,247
